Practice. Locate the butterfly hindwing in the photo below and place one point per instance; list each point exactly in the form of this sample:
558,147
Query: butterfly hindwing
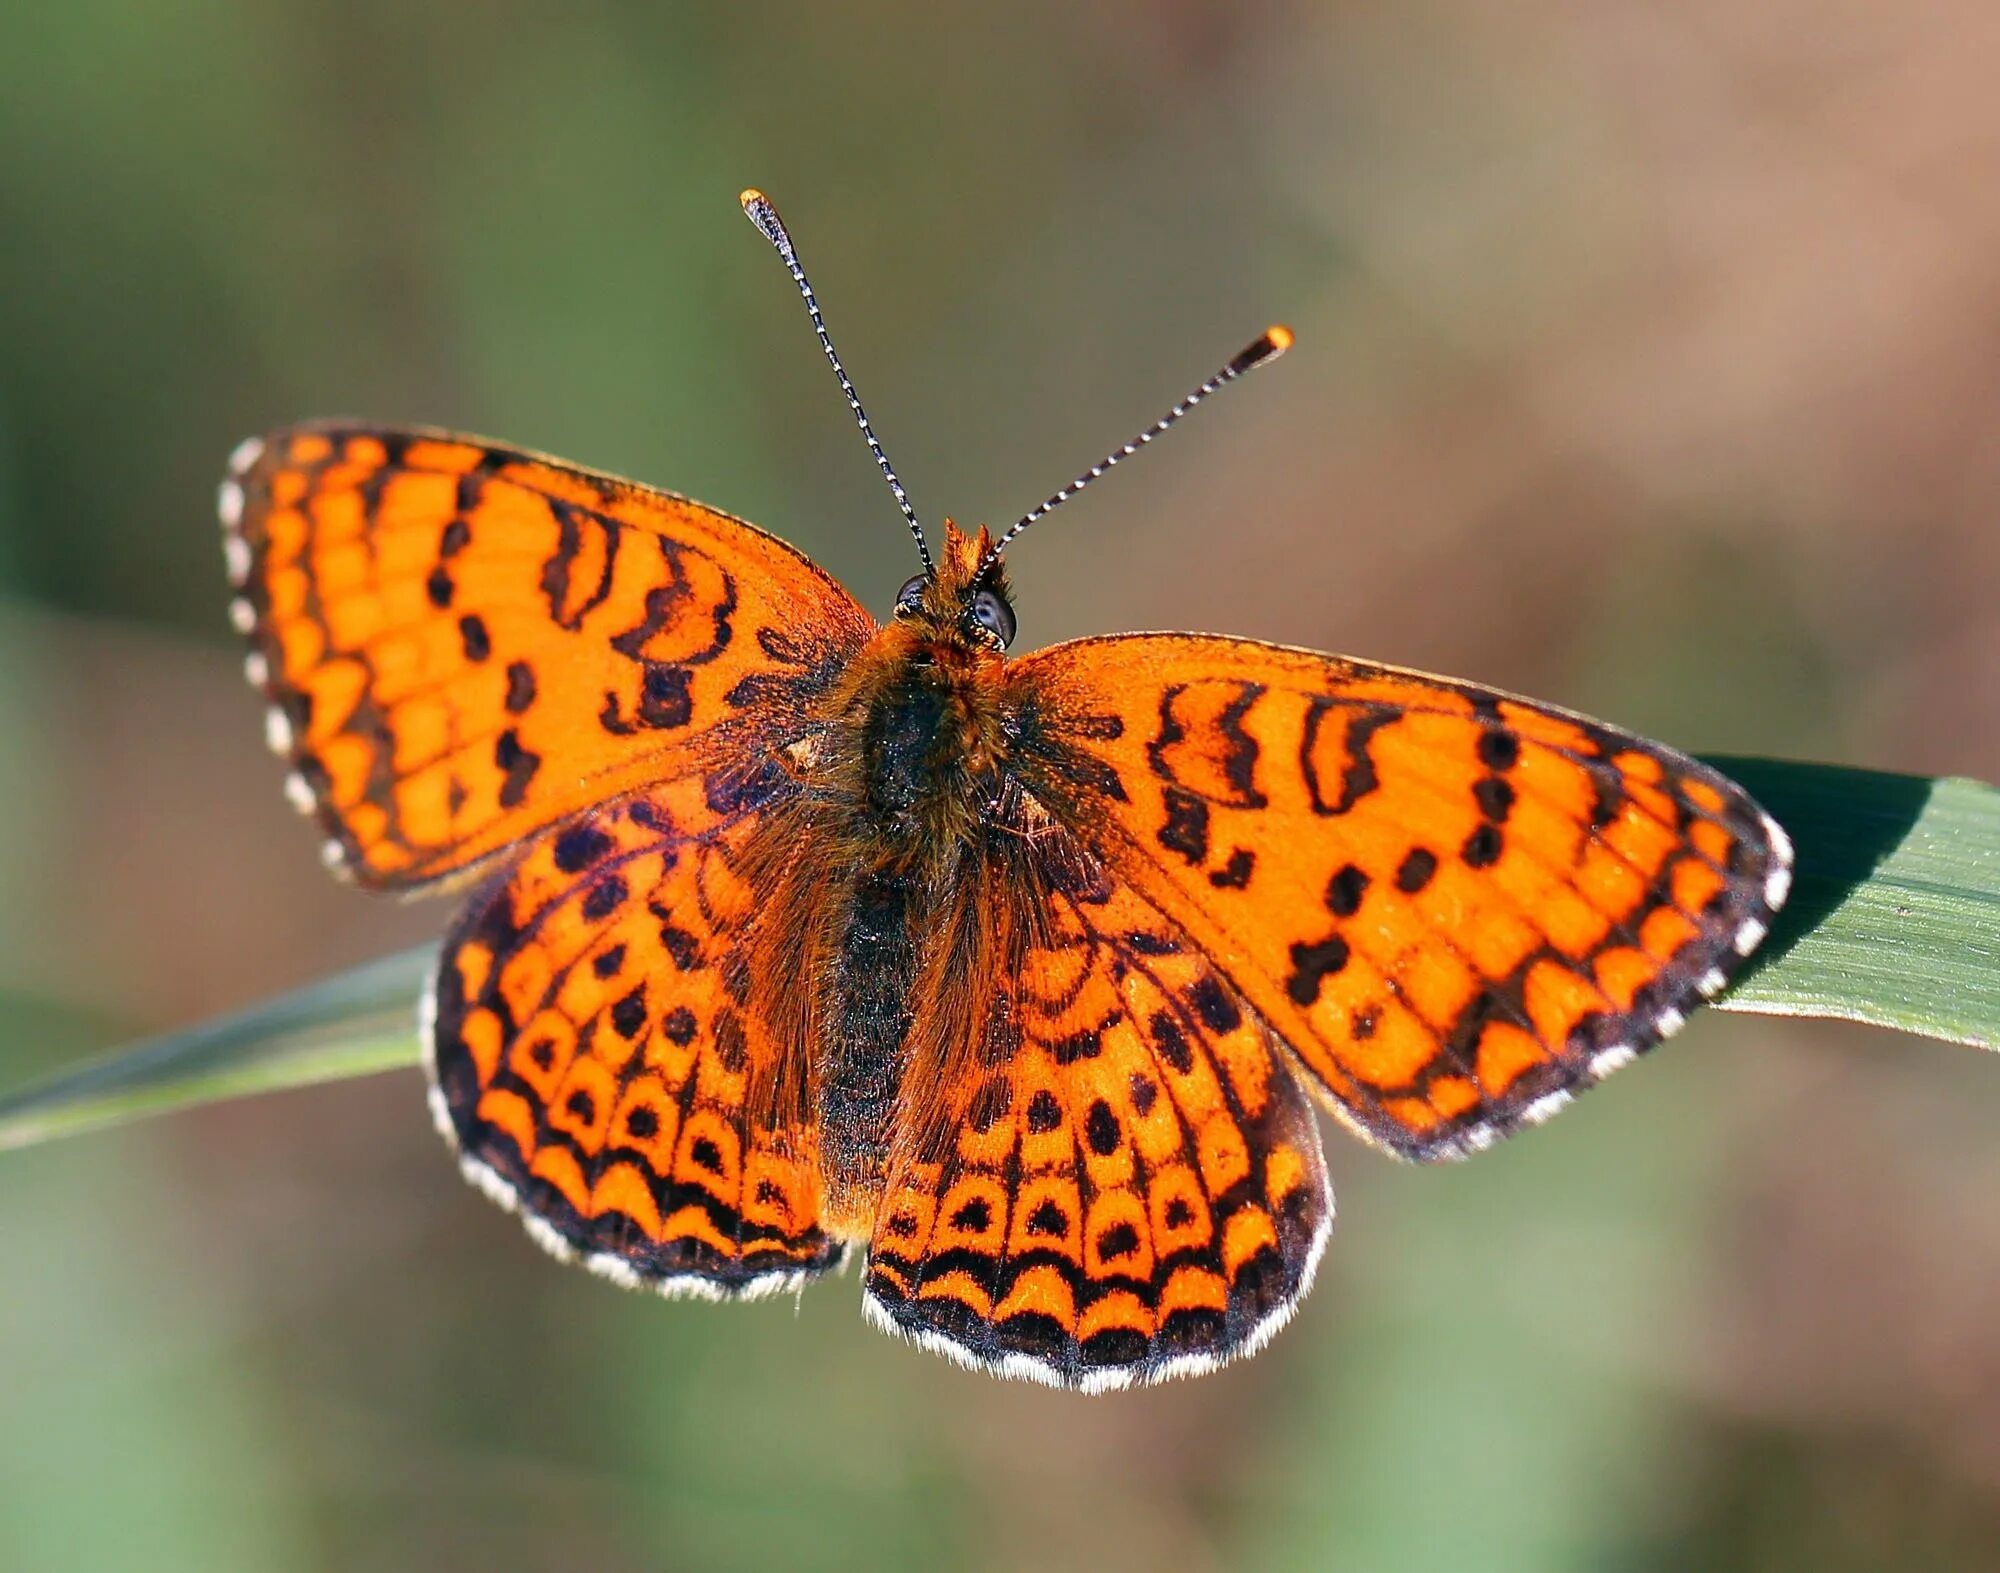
1456,906
463,643
1132,1189
600,1064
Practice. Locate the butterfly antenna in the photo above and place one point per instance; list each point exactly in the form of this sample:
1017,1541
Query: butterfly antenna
757,207
1267,346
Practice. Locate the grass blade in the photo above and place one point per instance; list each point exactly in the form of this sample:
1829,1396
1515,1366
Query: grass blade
353,1024
1895,913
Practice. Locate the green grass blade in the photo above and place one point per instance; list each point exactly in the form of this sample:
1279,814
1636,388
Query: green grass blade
353,1024
1895,912
1894,919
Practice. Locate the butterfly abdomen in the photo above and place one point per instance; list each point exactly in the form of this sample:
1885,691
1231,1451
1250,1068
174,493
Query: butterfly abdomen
862,1053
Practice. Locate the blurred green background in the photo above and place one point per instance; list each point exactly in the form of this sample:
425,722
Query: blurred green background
1649,361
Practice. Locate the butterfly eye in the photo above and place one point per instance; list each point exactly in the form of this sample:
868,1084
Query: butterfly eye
992,613
911,595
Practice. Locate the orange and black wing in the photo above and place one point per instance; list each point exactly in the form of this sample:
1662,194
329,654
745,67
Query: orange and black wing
1456,907
599,1062
1129,1189
461,644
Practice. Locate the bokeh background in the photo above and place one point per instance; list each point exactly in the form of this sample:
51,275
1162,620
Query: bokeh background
1649,361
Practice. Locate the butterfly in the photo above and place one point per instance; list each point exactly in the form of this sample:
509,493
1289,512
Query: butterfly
794,934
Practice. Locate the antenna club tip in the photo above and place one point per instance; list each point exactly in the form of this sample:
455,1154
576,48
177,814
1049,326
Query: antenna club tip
759,209
1267,346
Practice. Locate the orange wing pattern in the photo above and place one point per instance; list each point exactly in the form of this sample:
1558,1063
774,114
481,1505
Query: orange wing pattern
596,1057
1132,1190
1454,905
462,643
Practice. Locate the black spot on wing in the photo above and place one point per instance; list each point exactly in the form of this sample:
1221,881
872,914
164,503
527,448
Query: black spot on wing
580,846
1314,963
665,701
1186,829
975,1216
1417,869
1357,772
558,573
1499,749
473,638
520,687
1170,1043
1117,1242
1483,847
1234,874
1345,890
517,764
1607,793
678,943
1214,1005
1495,797
1240,750
1049,1221
604,897
628,1016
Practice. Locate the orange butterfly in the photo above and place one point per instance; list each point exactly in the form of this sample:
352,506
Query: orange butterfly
799,931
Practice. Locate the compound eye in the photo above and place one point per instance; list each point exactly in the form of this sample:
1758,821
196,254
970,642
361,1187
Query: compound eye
992,613
911,595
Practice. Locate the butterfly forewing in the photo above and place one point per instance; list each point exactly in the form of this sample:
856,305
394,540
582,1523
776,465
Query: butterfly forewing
463,643
1454,905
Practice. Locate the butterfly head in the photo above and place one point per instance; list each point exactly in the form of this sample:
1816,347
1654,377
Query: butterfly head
966,601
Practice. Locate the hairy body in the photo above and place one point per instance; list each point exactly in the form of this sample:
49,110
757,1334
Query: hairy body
911,862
